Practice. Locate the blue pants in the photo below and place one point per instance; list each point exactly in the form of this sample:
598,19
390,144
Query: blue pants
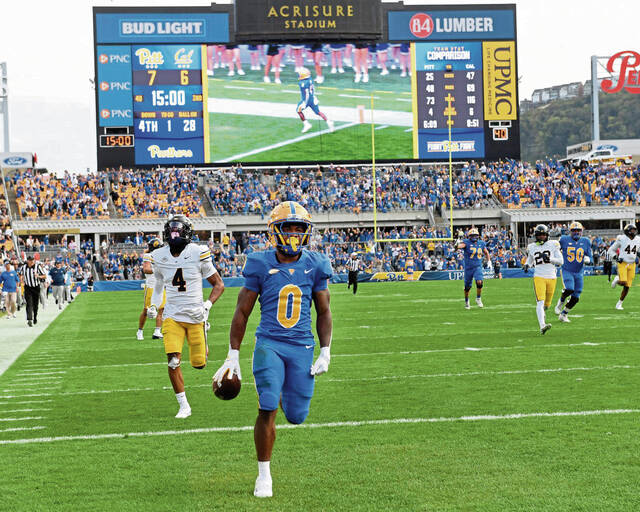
313,105
573,281
281,372
471,274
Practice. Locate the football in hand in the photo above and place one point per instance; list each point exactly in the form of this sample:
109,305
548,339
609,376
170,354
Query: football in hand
229,388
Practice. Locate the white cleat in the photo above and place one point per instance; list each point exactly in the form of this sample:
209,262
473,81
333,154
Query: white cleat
545,328
403,74
319,79
467,305
241,72
263,488
209,72
184,412
140,336
619,306
615,282
157,336
266,79
564,318
340,70
231,73
357,78
277,81
558,308
479,302
306,126
384,72
330,125
365,78
334,71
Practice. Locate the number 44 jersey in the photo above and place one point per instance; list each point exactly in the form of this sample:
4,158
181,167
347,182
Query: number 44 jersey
182,277
629,248
285,291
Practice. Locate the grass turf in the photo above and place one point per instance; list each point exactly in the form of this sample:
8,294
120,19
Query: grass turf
401,350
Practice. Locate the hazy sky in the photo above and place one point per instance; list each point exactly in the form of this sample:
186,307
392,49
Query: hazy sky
48,49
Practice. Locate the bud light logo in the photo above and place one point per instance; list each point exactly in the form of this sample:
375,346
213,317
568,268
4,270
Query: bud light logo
421,25
628,73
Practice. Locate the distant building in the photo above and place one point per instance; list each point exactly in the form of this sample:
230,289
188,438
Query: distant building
541,97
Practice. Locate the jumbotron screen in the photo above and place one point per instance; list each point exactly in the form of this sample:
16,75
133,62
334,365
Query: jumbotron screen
173,88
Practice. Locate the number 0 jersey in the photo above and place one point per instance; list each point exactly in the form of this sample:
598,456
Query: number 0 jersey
181,277
573,252
535,259
285,291
628,248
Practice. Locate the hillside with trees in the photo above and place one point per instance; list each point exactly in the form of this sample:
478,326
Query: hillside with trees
548,130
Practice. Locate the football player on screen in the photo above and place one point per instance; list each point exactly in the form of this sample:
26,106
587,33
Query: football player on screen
576,252
179,268
149,284
544,255
625,251
309,99
286,279
474,249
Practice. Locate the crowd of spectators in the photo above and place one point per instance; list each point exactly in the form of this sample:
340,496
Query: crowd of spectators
155,193
73,196
235,191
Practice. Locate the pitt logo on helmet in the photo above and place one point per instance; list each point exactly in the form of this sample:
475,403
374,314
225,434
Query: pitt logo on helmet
303,74
289,242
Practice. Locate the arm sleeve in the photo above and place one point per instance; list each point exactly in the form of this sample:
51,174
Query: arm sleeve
252,275
612,250
530,261
156,298
206,265
323,274
556,256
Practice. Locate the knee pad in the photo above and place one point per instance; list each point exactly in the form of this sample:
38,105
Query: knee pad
466,289
572,302
479,285
566,293
295,417
174,363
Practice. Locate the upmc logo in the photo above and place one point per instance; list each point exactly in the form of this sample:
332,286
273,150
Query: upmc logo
421,25
628,73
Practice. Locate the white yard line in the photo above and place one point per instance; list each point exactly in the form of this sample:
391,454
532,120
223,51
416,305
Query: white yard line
240,156
16,429
24,410
27,418
13,402
336,424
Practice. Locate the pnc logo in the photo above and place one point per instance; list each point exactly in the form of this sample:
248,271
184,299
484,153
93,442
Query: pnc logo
104,86
103,59
628,74
105,114
421,25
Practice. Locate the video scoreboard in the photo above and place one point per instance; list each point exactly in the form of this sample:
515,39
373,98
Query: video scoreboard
158,102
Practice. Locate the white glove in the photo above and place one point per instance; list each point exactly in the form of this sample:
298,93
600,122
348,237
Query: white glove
152,311
587,260
322,363
232,363
207,306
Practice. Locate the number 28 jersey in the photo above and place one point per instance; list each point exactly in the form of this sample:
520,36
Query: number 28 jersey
535,259
285,291
182,279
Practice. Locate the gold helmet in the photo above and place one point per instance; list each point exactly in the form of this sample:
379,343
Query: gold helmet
575,228
289,212
303,73
473,234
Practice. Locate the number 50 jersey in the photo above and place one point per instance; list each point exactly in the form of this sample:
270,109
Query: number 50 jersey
285,291
182,278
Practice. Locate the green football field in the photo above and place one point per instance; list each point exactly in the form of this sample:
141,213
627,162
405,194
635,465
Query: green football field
426,406
241,130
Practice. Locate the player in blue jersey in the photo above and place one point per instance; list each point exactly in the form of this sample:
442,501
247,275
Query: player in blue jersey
309,99
474,249
286,280
576,252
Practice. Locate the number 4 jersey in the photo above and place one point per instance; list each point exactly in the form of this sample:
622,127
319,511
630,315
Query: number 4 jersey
182,278
535,258
285,291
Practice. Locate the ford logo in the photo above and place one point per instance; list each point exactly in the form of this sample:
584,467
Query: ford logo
14,160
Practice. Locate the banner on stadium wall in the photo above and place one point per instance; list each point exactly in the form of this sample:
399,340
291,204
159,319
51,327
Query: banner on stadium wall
499,74
16,160
378,277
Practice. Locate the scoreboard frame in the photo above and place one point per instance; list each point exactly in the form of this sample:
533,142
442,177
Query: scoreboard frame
500,137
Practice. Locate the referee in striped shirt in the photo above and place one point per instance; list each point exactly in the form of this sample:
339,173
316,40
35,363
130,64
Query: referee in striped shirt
353,264
32,274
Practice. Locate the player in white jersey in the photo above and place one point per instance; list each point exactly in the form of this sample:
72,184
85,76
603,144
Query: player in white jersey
150,282
544,255
625,250
180,267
